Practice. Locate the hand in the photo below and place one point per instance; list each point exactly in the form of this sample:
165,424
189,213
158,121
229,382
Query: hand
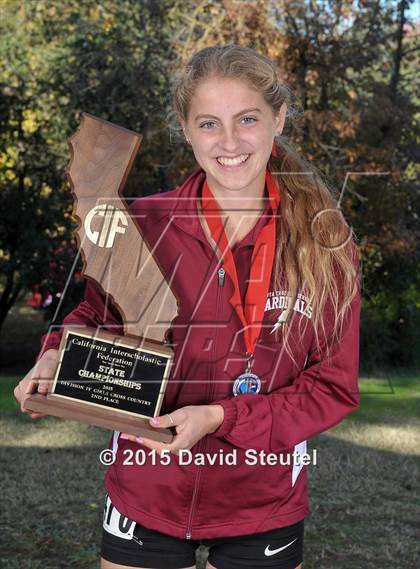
36,380
191,423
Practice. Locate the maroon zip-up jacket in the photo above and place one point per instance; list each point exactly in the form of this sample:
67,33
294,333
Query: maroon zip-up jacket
295,403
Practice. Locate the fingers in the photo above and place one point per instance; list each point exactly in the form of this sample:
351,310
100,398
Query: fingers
22,400
30,387
128,437
150,443
25,389
45,376
43,386
34,415
173,447
174,419
17,395
38,379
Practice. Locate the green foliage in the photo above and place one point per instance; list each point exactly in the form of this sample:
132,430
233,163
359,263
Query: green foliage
34,207
59,59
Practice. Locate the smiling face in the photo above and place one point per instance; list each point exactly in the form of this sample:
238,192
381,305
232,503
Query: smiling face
231,129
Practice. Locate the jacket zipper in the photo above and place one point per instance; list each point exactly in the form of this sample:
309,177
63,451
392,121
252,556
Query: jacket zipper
194,496
220,283
221,277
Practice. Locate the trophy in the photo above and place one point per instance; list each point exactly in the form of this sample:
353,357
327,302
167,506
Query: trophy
108,380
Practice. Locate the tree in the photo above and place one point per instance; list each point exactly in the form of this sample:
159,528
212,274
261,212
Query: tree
58,60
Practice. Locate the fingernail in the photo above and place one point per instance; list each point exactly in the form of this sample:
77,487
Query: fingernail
155,421
139,440
126,437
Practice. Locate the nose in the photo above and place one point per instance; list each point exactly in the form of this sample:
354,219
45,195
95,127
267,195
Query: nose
229,141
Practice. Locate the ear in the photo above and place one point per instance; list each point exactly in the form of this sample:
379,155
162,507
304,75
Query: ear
281,118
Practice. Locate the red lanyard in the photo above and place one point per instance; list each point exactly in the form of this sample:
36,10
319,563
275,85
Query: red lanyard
252,314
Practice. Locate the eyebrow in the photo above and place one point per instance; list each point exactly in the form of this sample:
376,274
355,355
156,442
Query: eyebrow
252,109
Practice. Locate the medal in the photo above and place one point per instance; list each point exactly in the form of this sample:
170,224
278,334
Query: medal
247,382
251,315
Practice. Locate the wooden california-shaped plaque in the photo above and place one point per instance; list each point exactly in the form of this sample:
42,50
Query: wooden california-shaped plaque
112,381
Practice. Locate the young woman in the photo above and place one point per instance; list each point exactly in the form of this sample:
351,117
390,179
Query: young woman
266,341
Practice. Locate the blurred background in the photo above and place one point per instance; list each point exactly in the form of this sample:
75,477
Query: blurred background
353,67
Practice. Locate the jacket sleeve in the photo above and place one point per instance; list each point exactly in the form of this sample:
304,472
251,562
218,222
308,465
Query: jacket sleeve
319,398
93,311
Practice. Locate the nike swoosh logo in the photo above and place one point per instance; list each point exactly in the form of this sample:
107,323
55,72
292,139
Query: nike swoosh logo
269,551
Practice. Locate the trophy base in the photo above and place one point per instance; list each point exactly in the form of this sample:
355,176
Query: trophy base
99,417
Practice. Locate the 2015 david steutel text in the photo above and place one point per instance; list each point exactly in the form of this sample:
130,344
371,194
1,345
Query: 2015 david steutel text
251,457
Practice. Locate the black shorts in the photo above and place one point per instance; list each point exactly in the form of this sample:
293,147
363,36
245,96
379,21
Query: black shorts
126,542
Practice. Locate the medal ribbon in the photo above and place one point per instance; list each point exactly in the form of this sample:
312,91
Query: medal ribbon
251,315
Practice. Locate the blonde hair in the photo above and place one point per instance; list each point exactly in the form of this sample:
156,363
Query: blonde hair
316,253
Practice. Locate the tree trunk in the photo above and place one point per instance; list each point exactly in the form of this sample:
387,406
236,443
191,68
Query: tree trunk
8,297
393,84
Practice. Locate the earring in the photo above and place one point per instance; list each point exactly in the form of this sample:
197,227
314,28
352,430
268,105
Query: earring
188,140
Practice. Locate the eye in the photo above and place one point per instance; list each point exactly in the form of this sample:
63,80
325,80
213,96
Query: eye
253,119
206,123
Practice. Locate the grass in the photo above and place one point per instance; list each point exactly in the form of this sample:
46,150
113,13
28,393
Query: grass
364,511
389,396
7,385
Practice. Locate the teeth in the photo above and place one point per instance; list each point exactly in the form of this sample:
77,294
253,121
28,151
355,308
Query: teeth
233,161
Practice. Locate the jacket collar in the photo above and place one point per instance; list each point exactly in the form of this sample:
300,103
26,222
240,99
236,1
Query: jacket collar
184,213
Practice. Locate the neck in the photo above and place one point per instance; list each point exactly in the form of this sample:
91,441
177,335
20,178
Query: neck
250,198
